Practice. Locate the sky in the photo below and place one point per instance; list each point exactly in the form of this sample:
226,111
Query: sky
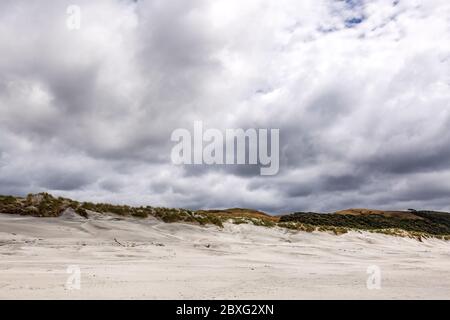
359,89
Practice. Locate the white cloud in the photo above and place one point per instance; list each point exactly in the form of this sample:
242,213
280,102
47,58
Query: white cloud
359,90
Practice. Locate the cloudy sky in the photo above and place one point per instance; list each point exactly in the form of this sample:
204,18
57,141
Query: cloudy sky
360,90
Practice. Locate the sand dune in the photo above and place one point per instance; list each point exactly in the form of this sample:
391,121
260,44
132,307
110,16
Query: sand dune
131,258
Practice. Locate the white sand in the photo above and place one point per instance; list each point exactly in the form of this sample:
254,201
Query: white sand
181,261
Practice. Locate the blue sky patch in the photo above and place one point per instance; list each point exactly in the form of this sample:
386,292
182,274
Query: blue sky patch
353,22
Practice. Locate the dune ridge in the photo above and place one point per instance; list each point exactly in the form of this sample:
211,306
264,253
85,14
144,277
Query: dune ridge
412,223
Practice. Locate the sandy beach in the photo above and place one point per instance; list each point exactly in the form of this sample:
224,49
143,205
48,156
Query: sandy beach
130,258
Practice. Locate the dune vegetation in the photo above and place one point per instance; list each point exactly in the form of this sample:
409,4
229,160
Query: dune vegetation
412,223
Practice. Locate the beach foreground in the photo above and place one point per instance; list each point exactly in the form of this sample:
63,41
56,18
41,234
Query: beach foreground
131,258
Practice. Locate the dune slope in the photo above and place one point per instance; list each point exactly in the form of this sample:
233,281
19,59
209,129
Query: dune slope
131,258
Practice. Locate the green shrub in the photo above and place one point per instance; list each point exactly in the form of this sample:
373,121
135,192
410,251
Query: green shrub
140,214
239,221
432,222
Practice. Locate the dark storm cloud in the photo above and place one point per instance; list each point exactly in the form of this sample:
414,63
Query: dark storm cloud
63,181
343,182
421,158
358,89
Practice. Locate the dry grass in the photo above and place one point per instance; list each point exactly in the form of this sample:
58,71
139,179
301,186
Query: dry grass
241,213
